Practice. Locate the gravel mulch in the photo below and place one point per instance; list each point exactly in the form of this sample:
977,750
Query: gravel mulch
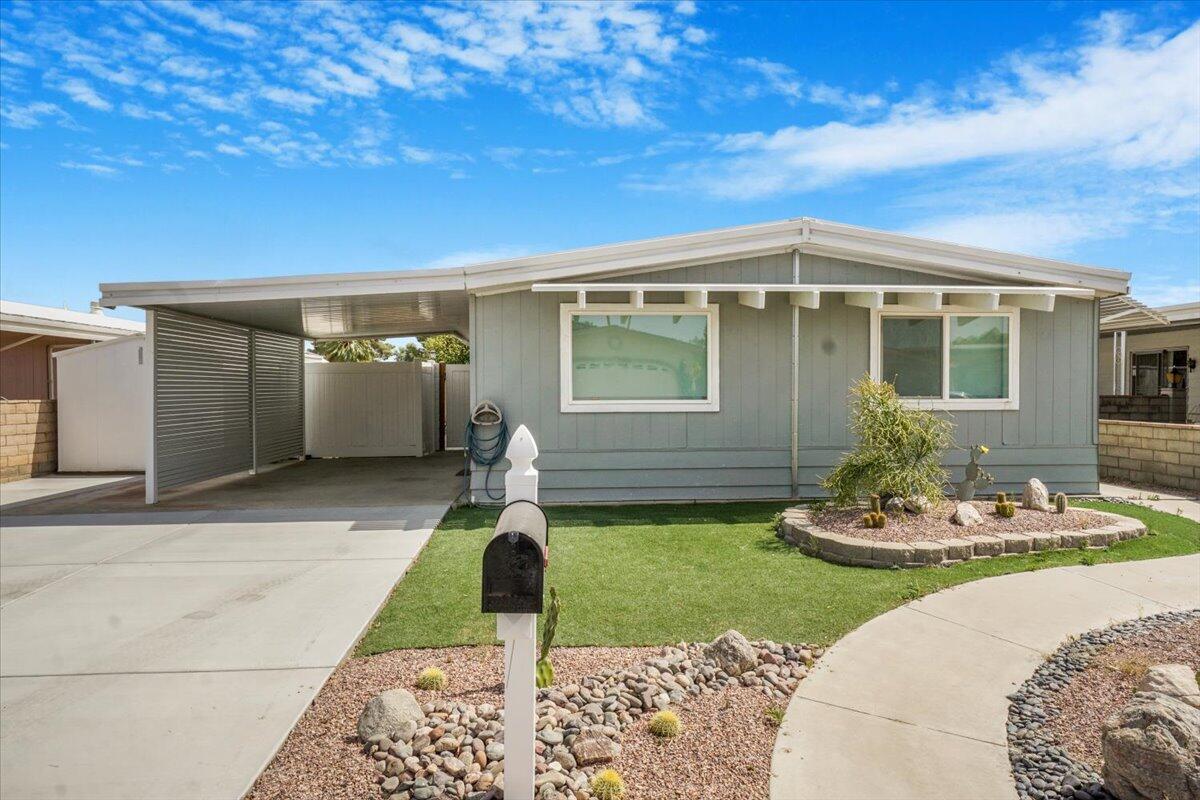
936,524
322,758
1111,680
723,752
1054,719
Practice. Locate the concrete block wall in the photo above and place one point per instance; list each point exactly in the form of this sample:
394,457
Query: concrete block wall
28,438
1143,409
1151,452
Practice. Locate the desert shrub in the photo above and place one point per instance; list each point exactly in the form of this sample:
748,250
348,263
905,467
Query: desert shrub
774,716
899,449
431,679
665,725
607,785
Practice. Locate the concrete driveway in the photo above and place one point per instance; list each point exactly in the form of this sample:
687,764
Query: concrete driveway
168,654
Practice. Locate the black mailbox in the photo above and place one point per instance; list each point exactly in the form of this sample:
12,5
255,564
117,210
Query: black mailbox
514,561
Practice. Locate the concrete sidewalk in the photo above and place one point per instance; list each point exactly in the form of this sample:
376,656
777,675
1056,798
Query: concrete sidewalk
1172,503
912,704
25,492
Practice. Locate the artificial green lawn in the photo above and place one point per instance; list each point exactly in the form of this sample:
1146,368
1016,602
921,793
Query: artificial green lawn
654,574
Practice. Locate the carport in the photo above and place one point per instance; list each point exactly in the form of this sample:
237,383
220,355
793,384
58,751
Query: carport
227,359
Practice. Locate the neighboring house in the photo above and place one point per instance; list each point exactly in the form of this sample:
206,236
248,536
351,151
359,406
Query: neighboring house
703,366
29,338
1150,374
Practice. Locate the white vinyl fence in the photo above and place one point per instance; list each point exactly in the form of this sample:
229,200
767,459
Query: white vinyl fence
376,409
103,406
458,404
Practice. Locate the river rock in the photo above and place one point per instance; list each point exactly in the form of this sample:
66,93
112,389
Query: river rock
1035,495
1173,680
1151,749
731,652
966,515
388,711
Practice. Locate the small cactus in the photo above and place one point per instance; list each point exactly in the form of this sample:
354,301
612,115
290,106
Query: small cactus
1006,509
665,725
431,679
875,507
607,785
1001,497
1060,503
875,519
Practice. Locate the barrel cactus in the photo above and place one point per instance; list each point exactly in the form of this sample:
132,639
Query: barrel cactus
665,725
1060,503
431,679
607,785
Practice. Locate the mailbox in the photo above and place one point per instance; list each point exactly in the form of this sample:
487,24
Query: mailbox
514,561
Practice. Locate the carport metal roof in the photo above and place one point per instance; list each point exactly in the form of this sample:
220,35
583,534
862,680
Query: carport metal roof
408,302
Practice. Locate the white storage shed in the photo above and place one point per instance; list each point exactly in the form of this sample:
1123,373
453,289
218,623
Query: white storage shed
103,399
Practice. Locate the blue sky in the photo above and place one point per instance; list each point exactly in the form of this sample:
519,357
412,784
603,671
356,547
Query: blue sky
179,140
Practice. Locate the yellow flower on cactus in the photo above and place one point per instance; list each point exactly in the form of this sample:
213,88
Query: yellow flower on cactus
983,448
607,785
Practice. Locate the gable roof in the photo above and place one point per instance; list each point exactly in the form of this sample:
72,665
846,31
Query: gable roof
406,302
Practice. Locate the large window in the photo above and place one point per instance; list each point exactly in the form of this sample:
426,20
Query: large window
658,358
953,360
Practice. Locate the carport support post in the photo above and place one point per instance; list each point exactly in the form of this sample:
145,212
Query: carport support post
151,466
519,632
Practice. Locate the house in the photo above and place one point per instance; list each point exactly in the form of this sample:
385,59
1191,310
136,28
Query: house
30,336
1148,361
704,366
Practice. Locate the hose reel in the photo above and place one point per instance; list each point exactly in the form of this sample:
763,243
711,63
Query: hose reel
486,440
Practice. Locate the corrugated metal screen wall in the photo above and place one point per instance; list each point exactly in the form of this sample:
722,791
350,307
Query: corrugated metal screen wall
278,396
203,398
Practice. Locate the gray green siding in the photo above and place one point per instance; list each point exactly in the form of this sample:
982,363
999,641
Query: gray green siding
742,451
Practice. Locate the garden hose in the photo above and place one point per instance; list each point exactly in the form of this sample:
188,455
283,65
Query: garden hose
486,439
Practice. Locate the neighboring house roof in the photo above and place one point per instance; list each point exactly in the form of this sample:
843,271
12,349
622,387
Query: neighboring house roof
1181,312
1124,313
435,300
62,322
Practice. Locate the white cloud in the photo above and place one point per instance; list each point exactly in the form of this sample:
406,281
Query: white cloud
337,78
31,115
783,80
1126,102
1154,290
191,67
210,18
291,98
100,170
230,150
81,92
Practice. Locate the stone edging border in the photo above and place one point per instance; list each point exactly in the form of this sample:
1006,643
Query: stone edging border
798,529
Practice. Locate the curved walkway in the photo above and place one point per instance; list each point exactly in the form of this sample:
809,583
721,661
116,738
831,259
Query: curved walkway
912,704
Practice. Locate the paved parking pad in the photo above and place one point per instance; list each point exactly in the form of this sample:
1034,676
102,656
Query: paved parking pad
180,646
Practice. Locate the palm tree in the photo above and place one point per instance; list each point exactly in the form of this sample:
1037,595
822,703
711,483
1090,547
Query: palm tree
357,350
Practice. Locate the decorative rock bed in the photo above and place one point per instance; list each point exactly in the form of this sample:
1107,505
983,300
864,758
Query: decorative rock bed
1042,770
457,749
798,529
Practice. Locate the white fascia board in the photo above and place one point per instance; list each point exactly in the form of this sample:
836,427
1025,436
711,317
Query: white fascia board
306,286
65,330
917,253
1180,312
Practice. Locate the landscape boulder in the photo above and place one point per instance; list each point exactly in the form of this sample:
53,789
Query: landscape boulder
1173,680
966,515
732,653
918,504
1035,496
388,711
894,505
592,747
1151,749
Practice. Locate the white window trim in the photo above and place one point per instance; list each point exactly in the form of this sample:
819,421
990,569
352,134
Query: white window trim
945,403
569,405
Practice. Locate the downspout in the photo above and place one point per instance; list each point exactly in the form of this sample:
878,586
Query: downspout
795,380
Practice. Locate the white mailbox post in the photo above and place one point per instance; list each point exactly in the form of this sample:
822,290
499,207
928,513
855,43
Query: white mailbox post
521,519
